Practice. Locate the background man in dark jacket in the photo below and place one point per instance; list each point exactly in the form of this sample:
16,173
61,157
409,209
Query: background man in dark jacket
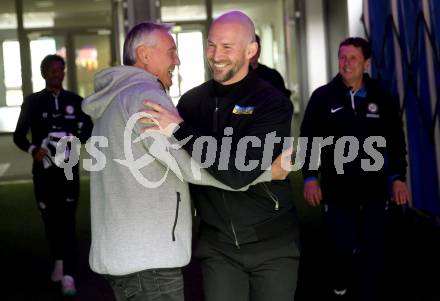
51,114
270,75
354,105
247,239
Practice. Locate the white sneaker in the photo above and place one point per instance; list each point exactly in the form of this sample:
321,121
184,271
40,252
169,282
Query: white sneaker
340,292
68,286
57,272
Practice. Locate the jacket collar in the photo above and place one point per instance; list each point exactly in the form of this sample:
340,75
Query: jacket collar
338,83
236,90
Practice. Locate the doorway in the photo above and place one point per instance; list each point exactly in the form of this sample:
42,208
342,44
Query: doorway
85,54
190,40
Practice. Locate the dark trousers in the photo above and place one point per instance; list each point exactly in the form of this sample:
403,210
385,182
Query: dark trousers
148,285
356,241
57,200
252,275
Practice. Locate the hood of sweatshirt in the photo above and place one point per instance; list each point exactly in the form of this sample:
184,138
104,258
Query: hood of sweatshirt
109,83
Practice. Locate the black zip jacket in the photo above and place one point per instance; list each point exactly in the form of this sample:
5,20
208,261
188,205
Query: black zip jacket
273,77
42,114
264,215
330,113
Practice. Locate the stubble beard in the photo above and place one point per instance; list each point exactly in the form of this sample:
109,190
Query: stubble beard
218,77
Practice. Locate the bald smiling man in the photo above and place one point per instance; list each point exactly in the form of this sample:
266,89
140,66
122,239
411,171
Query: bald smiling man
247,240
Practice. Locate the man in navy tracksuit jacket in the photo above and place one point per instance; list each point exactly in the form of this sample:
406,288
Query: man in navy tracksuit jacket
355,106
49,115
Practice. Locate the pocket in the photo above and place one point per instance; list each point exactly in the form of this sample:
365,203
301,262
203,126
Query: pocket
132,287
296,249
170,282
203,251
176,217
125,287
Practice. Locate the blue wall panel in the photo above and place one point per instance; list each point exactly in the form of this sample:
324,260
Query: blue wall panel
417,104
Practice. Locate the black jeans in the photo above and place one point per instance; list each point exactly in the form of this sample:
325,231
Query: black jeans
267,275
356,241
57,199
148,285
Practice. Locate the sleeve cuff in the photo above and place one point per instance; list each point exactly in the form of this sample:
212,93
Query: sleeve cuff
396,177
182,131
266,176
309,179
31,149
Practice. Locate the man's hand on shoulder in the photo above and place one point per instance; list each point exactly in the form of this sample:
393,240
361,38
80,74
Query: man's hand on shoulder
159,119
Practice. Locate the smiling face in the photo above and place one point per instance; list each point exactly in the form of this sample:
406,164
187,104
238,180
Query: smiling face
229,51
159,59
163,58
352,65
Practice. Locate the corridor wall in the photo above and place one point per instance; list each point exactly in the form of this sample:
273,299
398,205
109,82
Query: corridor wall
405,37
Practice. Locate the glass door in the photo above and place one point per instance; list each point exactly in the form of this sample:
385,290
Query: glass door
190,40
92,54
84,53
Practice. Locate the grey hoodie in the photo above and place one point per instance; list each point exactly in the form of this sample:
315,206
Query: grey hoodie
135,227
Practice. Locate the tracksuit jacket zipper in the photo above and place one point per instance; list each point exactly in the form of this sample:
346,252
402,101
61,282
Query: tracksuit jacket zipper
237,244
215,117
176,216
55,97
272,197
215,129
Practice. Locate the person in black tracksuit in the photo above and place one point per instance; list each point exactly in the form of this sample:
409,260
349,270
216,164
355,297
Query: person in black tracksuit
247,243
268,74
260,223
51,114
354,105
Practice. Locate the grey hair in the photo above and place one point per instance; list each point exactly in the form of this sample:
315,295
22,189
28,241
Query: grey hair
139,35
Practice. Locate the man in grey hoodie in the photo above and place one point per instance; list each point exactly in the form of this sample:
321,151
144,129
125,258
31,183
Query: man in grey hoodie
140,208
